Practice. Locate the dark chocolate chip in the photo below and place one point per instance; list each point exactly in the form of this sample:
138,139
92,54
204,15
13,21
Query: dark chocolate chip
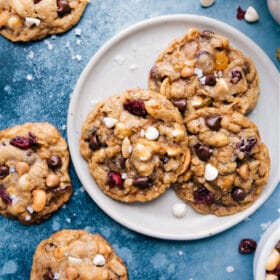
236,76
238,193
181,104
94,143
165,159
4,171
203,152
48,275
63,7
142,182
54,162
210,80
206,34
213,122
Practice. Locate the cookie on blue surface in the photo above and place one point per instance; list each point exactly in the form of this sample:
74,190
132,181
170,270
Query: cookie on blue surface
201,69
76,254
25,20
135,144
229,163
34,180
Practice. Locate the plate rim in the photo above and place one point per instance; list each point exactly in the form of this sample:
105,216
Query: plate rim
82,78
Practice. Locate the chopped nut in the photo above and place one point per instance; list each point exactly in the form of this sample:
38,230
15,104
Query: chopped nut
59,252
21,168
39,200
187,72
52,181
126,148
117,267
243,171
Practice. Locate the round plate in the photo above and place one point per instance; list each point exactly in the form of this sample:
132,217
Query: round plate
124,62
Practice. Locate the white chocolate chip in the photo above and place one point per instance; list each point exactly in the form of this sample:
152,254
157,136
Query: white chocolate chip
29,209
12,169
178,133
27,218
14,199
206,3
198,72
99,260
202,80
56,276
221,87
179,210
124,176
211,172
74,260
152,133
142,133
29,21
251,15
110,122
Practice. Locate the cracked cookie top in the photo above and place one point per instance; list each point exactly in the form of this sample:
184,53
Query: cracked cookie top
34,180
201,69
229,163
25,20
135,144
76,254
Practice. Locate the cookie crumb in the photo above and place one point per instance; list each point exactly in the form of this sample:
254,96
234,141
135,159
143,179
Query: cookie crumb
29,77
31,55
229,268
240,13
77,57
78,31
278,54
68,220
78,42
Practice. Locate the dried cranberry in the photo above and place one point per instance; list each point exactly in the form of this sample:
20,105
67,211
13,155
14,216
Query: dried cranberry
25,142
236,76
202,195
165,159
203,152
37,1
247,246
20,142
142,182
206,34
246,145
213,122
5,197
210,80
48,275
63,7
238,193
135,107
114,180
4,171
181,104
54,162
240,13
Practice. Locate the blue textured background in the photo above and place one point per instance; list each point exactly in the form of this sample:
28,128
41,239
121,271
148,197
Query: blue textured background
45,97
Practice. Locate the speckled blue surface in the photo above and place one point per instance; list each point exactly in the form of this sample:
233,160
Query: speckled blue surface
54,65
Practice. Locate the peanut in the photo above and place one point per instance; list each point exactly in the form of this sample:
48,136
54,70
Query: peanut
59,252
126,147
39,200
52,181
15,23
71,273
273,260
187,72
21,168
243,171
117,267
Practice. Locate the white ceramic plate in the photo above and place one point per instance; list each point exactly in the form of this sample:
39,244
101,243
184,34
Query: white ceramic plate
124,62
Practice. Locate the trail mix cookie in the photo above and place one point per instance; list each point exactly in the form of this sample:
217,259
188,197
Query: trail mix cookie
34,180
135,144
201,70
25,20
229,166
76,254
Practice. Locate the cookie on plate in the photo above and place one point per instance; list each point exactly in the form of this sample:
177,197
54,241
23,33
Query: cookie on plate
229,166
76,254
135,144
25,20
201,69
34,180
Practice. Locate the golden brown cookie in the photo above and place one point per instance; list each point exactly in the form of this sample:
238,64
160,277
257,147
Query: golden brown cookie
135,144
25,20
201,69
34,180
76,254
229,166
